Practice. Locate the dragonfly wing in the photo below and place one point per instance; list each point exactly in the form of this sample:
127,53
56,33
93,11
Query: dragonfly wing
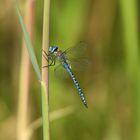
60,72
77,56
80,64
76,51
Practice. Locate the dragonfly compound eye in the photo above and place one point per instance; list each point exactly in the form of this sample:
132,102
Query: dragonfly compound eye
53,49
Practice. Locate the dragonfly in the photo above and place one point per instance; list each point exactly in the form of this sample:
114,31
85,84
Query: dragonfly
55,54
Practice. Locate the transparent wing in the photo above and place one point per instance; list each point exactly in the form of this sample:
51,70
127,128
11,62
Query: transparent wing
77,51
60,72
77,56
79,64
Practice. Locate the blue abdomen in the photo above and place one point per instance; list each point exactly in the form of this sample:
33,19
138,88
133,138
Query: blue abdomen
66,66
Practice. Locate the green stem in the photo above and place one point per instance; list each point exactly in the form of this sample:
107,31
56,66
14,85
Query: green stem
45,93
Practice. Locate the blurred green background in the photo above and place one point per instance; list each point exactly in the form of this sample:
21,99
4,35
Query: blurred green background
111,83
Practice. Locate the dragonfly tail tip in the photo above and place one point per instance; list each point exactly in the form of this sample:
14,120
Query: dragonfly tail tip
86,106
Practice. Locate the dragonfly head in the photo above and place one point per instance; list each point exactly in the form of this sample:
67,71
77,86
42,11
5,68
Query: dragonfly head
53,49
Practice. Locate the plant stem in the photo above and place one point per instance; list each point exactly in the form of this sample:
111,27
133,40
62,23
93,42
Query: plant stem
130,22
44,83
24,76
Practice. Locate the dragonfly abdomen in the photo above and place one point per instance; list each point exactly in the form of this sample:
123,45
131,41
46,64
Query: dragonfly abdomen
76,84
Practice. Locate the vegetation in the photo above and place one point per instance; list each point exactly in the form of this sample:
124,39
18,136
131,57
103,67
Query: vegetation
111,82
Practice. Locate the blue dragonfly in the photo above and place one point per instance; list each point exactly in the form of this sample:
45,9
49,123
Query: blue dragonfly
63,58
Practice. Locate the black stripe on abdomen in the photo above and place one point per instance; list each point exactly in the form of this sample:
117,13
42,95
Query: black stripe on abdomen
77,86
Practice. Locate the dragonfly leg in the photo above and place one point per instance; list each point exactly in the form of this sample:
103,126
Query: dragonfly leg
45,53
48,58
45,57
51,64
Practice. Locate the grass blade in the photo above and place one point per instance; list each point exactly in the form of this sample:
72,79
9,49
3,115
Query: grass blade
24,76
28,43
